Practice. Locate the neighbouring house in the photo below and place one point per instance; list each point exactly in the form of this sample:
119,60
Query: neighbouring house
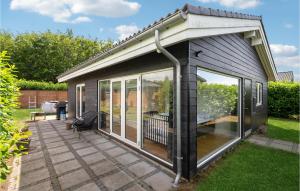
286,76
181,91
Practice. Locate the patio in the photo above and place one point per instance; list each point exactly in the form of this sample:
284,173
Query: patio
58,160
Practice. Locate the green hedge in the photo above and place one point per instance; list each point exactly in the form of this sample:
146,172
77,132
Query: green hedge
36,85
283,99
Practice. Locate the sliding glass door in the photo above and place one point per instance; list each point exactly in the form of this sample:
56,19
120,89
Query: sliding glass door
116,107
125,109
131,110
139,111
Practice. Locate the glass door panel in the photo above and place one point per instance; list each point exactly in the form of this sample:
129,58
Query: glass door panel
116,107
131,110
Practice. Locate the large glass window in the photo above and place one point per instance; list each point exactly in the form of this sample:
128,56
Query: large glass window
80,100
218,113
104,105
157,108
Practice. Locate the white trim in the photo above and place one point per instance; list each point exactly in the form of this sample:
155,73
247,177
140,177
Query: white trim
195,26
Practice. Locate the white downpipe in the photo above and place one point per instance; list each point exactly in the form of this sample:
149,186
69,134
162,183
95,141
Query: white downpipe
176,63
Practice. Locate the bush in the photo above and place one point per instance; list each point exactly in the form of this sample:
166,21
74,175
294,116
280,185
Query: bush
9,132
283,99
36,85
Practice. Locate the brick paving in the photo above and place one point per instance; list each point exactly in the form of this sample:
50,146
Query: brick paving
59,160
274,143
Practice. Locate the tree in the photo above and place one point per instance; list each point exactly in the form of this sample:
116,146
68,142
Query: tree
43,56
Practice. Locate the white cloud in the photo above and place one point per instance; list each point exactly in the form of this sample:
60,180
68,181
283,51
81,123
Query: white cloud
242,4
283,49
288,61
81,20
126,30
288,25
63,11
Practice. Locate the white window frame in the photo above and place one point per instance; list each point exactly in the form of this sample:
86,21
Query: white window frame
80,99
259,93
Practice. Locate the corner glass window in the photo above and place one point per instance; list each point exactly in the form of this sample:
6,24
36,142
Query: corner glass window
157,117
80,100
104,105
218,112
259,94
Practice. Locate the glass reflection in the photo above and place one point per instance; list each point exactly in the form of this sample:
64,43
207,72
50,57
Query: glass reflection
218,115
157,104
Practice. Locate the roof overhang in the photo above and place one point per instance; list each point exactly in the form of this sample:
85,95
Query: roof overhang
178,28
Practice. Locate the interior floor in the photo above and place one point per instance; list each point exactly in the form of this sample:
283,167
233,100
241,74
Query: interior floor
208,143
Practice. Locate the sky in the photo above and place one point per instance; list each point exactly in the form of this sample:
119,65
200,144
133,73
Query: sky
116,19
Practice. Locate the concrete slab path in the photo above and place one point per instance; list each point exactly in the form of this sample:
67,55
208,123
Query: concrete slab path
274,143
58,160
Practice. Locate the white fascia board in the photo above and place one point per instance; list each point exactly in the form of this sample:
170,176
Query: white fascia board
195,26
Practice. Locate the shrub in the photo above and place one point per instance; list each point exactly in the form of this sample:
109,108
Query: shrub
9,131
36,85
283,99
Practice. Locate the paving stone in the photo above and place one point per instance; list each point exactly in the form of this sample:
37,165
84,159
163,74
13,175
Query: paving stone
141,168
45,186
127,159
135,187
116,151
49,136
73,178
86,151
88,187
103,167
81,145
62,157
159,181
281,146
99,140
32,165
259,142
34,176
117,180
55,144
33,156
283,142
58,150
107,145
93,137
74,140
93,158
66,166
71,136
51,140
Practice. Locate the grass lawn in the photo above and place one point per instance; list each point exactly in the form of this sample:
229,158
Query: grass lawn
284,129
252,167
22,115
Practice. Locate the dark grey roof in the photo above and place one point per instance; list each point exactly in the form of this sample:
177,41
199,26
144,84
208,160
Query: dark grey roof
286,76
187,8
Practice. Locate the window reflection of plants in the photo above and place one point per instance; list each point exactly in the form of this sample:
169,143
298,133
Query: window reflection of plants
217,100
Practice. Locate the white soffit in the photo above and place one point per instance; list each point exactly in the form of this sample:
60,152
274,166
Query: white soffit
195,26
